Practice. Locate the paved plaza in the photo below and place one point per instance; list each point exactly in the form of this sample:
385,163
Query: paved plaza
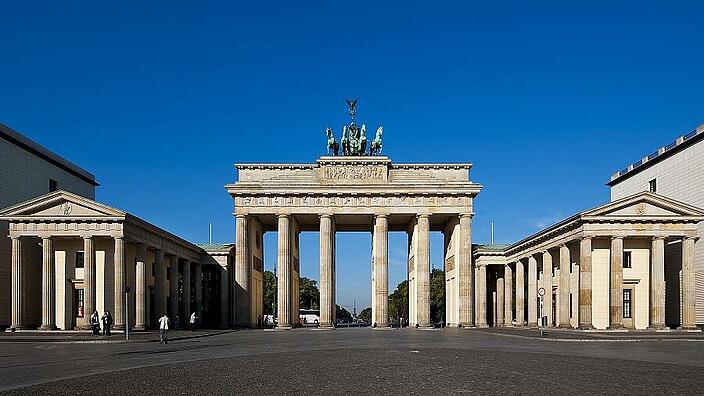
356,360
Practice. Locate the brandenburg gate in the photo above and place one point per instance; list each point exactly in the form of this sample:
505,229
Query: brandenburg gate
355,191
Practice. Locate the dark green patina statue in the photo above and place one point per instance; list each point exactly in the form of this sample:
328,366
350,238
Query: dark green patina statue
354,137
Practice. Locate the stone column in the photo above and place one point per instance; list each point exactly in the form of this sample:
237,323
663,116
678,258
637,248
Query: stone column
381,272
88,282
198,289
585,283
224,298
657,283
547,285
284,273
327,304
120,282
520,293
187,311
48,286
17,284
159,284
508,295
140,288
688,284
242,272
173,287
500,293
423,271
481,306
564,288
532,291
616,302
465,304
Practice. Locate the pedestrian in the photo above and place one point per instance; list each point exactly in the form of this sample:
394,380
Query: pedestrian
95,323
177,323
163,329
107,323
193,321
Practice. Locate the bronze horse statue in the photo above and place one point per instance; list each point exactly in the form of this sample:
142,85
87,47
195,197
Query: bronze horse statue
333,146
375,146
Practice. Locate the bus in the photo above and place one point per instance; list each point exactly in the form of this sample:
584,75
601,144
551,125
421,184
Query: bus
309,317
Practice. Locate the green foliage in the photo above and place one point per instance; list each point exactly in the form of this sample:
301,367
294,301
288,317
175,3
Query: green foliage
398,302
269,293
343,314
309,294
437,296
365,315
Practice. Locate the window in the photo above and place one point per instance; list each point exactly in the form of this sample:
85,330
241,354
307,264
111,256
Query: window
627,303
153,269
79,259
627,260
53,185
652,186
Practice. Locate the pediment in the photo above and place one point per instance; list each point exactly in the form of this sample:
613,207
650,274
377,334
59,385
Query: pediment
645,204
61,204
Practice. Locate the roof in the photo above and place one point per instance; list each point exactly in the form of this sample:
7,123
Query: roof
216,247
663,152
42,152
496,247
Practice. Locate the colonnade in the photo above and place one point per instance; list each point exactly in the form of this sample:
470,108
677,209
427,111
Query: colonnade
582,294
140,289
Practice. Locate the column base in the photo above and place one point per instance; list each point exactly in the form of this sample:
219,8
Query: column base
21,327
533,325
283,328
690,327
120,327
616,327
47,327
564,326
585,327
657,327
139,328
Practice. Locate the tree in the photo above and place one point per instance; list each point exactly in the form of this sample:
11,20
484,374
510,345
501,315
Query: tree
398,301
269,293
365,315
437,296
309,297
343,314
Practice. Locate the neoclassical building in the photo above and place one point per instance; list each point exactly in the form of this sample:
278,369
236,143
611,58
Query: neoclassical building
90,252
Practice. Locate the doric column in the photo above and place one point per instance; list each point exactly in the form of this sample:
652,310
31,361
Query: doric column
482,303
48,286
585,283
465,269
508,295
242,272
564,288
198,288
520,301
616,301
532,291
120,282
547,285
657,283
17,284
187,311
173,287
327,304
88,281
500,292
688,284
381,271
284,273
423,272
140,288
159,284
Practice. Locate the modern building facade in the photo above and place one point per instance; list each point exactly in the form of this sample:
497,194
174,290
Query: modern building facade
28,170
675,170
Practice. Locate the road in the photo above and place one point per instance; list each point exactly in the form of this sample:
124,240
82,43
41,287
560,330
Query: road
354,361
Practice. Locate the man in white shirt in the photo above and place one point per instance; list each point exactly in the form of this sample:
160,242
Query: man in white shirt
163,329
193,321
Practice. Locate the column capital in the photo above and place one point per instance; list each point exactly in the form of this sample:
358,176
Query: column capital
283,215
659,237
688,237
87,237
586,238
466,215
240,216
616,237
381,215
423,215
325,216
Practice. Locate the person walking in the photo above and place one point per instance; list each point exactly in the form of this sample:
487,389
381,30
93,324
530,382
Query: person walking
107,323
193,321
95,323
163,329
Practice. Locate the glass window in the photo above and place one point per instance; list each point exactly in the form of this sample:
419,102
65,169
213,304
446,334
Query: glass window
79,259
627,303
53,185
627,263
653,186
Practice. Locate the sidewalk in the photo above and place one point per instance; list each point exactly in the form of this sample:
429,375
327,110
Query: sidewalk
87,337
555,334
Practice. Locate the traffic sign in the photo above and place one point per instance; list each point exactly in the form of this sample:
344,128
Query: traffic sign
541,292
127,289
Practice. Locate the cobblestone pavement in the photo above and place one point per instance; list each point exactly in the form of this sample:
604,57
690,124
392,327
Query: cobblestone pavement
357,361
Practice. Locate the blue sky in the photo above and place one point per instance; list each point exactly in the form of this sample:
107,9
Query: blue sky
160,99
